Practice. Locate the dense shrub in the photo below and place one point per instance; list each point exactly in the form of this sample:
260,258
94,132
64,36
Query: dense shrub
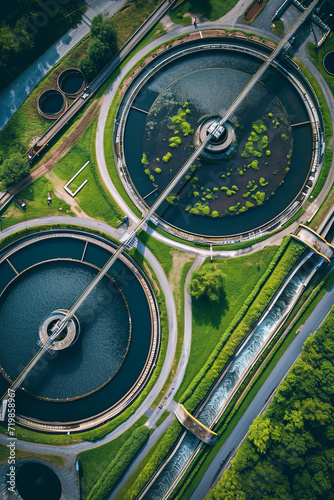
166,444
13,169
206,283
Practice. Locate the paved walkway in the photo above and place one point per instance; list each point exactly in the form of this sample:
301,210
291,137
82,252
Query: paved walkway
18,90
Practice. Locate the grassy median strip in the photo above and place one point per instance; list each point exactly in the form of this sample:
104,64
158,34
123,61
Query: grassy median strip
56,460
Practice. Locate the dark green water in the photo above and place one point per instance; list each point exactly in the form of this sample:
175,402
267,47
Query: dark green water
72,83
52,103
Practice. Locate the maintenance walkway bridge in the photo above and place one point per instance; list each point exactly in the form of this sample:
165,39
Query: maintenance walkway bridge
314,241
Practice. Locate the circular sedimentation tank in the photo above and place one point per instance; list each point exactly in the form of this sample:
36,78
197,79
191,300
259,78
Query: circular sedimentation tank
85,379
51,104
71,82
248,180
328,62
36,481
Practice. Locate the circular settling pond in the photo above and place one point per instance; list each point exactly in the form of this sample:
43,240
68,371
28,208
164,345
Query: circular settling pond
237,184
328,62
71,82
36,481
51,103
102,370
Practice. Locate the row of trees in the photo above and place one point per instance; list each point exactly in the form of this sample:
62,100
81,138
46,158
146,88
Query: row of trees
289,452
102,47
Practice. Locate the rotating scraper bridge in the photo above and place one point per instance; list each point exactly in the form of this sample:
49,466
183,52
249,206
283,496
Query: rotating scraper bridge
128,240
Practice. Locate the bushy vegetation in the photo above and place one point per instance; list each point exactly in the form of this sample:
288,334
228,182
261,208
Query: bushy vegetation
206,282
119,464
287,255
13,169
101,48
167,157
289,451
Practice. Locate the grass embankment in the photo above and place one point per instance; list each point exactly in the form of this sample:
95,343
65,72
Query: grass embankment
210,10
278,27
36,194
254,381
117,467
94,462
56,460
210,320
27,123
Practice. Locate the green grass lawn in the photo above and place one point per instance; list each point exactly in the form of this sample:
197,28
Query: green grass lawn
93,198
210,9
96,460
239,407
27,123
210,320
36,199
278,27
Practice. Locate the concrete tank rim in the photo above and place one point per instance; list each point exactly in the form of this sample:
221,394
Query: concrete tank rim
64,74
324,64
57,114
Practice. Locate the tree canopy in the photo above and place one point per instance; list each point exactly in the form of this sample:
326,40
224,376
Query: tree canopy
102,47
13,169
28,28
206,282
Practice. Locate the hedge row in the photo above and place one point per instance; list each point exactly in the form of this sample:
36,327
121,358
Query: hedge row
167,442
119,464
287,255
